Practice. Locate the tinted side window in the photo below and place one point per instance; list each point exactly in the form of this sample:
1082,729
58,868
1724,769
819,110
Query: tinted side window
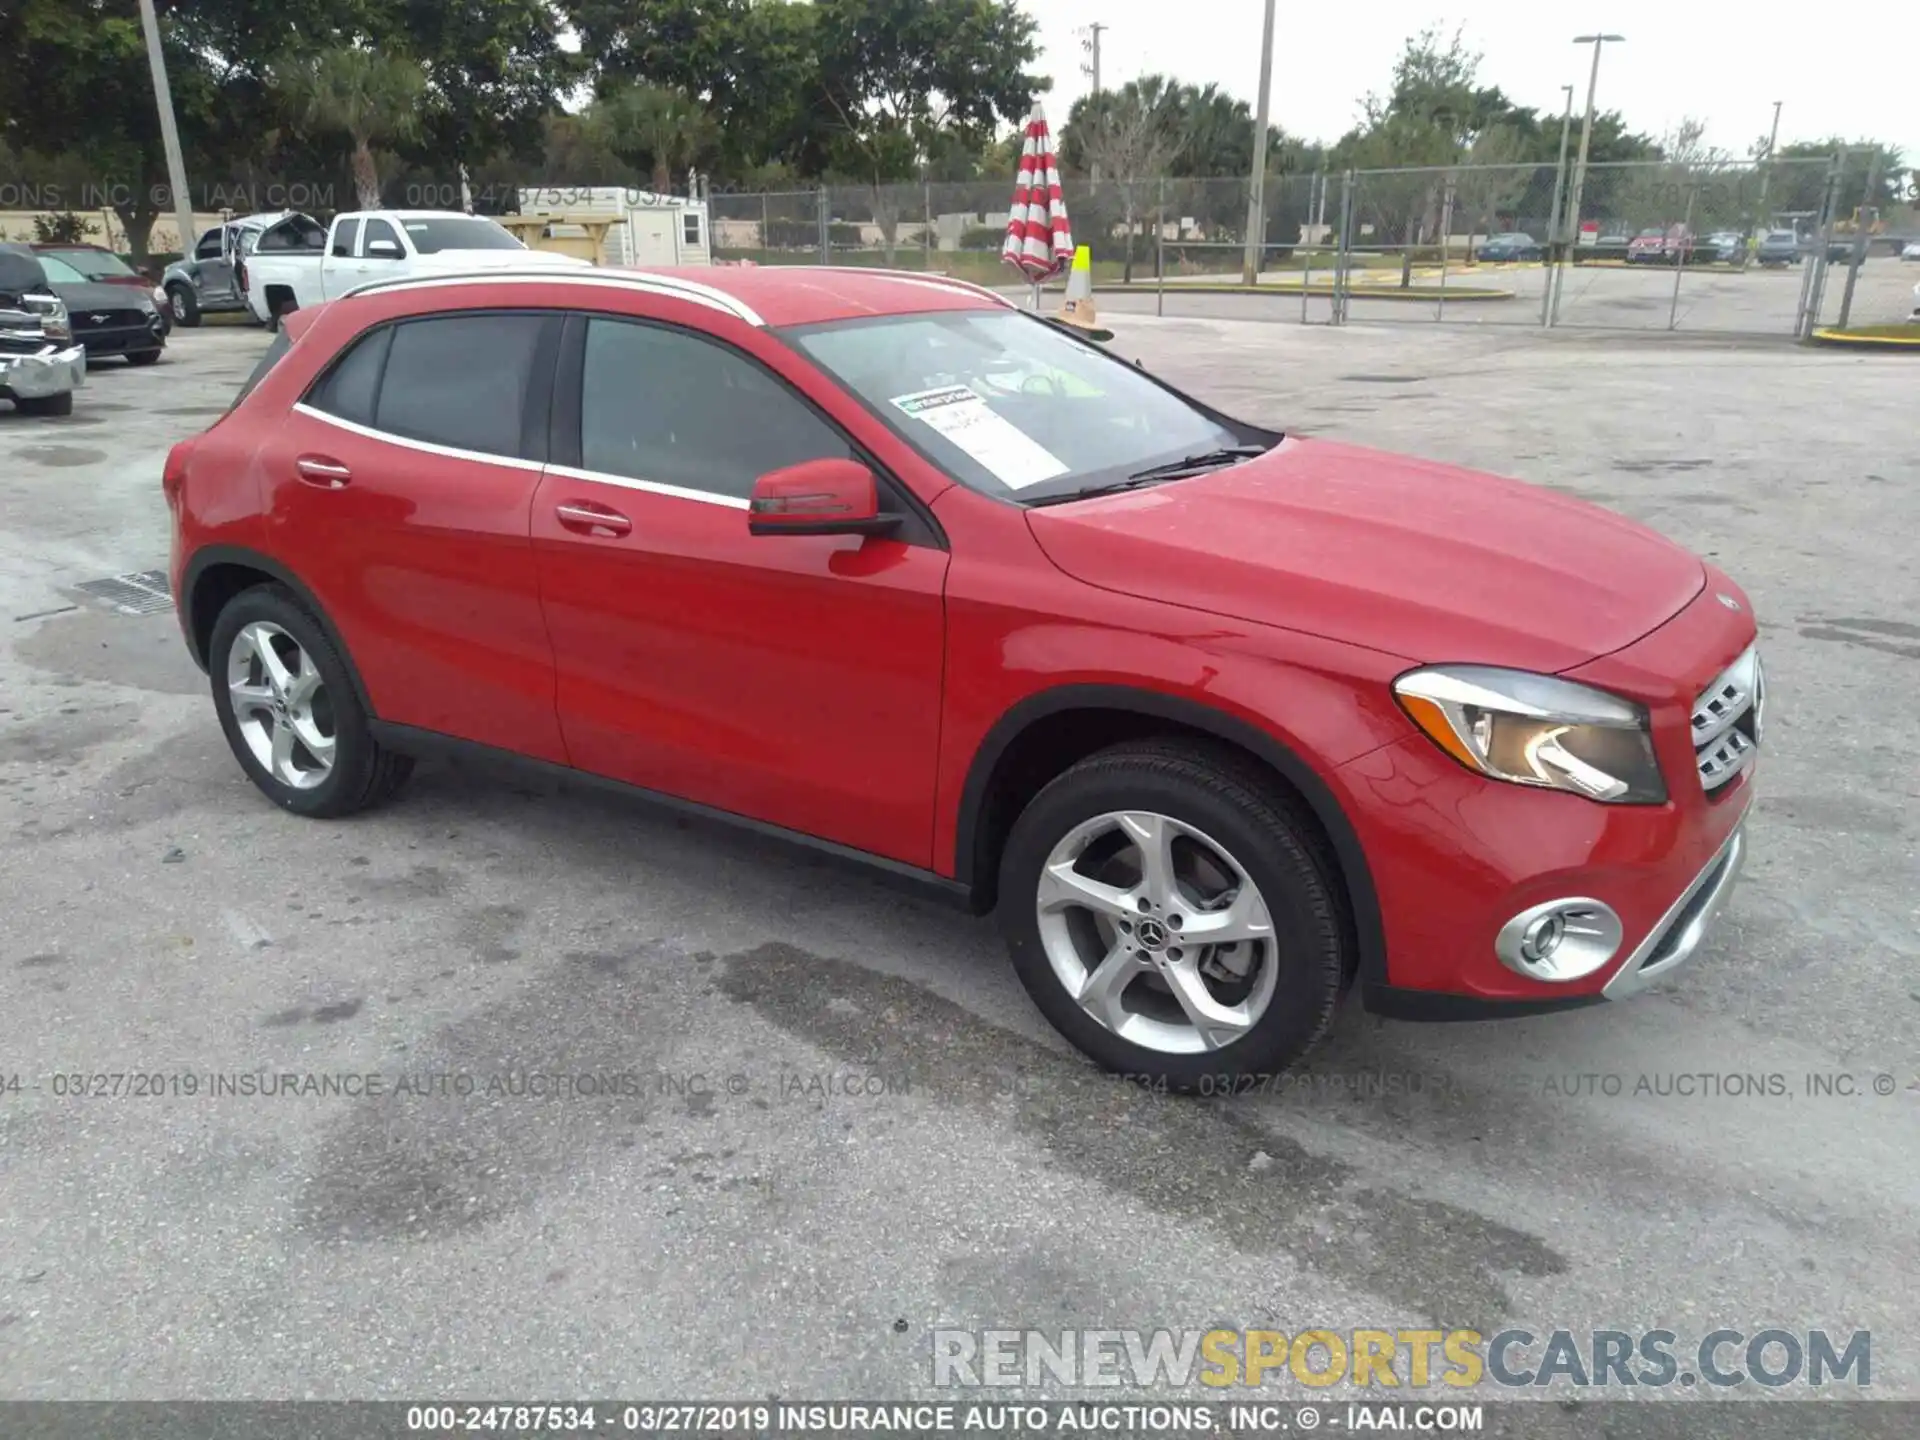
344,234
460,380
662,405
209,246
376,230
349,388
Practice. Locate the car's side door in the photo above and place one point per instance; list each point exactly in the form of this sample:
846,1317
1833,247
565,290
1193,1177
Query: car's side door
792,679
213,268
400,488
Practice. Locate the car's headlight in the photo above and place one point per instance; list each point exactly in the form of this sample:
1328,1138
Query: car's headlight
1532,729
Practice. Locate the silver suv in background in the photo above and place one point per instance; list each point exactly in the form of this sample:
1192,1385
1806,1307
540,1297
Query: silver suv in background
208,281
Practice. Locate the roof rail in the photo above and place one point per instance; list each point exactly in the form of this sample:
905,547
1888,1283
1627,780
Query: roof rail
671,286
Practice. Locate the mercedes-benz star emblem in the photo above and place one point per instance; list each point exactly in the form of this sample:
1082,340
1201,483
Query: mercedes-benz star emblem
1152,934
1729,602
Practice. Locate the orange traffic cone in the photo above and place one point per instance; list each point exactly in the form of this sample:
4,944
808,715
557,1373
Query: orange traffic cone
1078,311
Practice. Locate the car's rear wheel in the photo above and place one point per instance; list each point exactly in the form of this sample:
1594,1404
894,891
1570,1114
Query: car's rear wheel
290,712
185,305
1173,914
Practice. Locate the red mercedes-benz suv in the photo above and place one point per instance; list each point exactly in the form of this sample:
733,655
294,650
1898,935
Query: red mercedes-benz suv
1221,722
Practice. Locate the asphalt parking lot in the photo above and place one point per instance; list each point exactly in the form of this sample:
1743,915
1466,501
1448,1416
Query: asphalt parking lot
738,1224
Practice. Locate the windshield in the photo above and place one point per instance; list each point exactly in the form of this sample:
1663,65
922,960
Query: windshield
1008,404
59,272
459,232
91,264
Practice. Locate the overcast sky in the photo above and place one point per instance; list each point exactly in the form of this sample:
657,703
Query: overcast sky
1858,74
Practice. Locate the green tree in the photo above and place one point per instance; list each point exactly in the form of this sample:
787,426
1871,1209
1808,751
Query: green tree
896,75
1131,136
369,96
655,127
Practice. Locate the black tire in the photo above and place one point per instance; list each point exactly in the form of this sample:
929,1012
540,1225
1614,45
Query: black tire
1248,812
143,357
47,404
364,773
186,305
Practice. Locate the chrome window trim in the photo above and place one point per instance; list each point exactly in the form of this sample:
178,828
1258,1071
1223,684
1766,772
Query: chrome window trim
671,288
450,452
651,487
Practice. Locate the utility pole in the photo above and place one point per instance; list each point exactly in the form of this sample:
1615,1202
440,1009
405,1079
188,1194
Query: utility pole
1554,223
1256,198
169,133
1766,175
1092,70
1586,141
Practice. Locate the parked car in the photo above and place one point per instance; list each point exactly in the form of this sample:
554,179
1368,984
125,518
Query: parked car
100,266
1671,246
1511,245
1778,248
207,282
40,366
1218,721
296,265
1911,250
1723,247
108,319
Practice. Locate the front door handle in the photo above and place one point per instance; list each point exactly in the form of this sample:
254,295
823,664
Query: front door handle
323,470
586,518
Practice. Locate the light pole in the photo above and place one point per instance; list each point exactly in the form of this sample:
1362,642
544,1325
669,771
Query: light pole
1766,175
1586,140
169,133
1256,199
1553,215
1092,70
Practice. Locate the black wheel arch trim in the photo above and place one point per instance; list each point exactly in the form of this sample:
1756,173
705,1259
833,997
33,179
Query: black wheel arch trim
1355,870
207,557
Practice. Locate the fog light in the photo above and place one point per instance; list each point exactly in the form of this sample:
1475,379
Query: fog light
1561,940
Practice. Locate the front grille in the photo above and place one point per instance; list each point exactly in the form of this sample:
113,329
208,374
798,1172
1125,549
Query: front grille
1726,721
103,320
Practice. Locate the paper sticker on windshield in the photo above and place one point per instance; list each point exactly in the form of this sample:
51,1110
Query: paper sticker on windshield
1005,451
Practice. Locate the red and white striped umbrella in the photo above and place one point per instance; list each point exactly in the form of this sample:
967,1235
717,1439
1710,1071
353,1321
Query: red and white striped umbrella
1038,239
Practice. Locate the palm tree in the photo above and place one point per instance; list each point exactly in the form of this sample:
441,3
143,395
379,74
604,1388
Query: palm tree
374,98
656,125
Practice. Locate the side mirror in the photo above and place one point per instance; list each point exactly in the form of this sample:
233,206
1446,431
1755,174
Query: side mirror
818,497
384,250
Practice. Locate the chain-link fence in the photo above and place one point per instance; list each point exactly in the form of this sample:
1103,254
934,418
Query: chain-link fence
1654,245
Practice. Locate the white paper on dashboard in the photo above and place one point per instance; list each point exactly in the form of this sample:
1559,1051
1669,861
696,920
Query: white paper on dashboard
1007,452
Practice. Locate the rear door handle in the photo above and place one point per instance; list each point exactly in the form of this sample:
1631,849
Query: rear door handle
585,518
323,470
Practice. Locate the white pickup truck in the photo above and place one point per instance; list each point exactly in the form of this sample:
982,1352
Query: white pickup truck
286,272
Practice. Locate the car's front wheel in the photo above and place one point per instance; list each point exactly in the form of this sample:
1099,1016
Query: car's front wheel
290,711
1175,916
184,304
47,404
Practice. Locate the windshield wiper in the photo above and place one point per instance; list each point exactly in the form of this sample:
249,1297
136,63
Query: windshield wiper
1191,465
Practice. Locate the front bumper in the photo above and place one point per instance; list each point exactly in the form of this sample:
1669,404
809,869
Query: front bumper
124,339
1459,862
51,372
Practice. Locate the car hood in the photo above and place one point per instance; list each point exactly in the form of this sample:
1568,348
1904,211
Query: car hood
1417,559
95,295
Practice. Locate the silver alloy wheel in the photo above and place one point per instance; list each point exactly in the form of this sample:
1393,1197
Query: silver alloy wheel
179,298
1157,931
281,705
